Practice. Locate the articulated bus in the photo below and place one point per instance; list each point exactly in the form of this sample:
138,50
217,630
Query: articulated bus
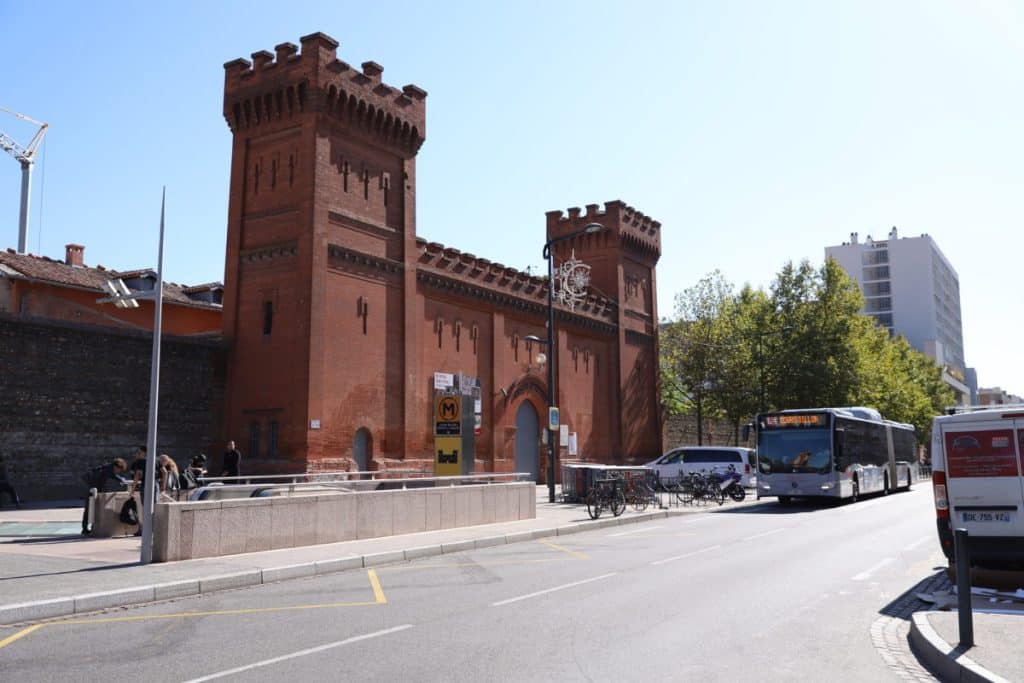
832,453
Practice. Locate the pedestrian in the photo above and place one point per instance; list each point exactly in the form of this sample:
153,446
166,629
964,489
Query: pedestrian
168,476
232,461
5,483
103,479
194,473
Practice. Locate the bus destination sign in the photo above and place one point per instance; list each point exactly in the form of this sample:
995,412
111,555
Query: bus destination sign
796,421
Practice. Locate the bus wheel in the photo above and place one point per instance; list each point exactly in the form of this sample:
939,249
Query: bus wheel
784,500
909,479
885,486
855,496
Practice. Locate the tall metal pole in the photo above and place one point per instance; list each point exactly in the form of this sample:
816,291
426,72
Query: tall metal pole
149,479
26,187
760,368
552,345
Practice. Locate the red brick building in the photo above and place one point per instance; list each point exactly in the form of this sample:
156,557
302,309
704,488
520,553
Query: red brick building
338,314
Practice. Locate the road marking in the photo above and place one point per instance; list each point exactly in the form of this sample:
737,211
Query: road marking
377,592
634,531
918,543
300,653
766,533
552,590
564,550
866,574
20,634
378,595
680,557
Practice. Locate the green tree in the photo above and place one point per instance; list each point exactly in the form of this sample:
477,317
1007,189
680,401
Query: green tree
691,348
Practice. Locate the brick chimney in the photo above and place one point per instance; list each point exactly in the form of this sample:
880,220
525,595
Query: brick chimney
74,255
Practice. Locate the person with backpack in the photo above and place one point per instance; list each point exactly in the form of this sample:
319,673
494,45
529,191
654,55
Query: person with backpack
167,472
196,470
103,479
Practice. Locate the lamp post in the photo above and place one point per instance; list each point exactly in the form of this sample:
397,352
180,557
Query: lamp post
122,297
552,343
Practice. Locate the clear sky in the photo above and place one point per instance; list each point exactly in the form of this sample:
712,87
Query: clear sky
755,132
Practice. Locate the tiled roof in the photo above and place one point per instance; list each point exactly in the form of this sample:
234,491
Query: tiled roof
52,271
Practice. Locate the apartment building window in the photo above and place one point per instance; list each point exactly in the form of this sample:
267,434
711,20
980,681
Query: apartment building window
876,273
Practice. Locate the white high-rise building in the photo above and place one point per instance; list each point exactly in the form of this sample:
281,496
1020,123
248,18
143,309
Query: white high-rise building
911,289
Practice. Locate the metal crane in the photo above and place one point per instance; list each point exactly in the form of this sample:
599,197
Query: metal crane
26,157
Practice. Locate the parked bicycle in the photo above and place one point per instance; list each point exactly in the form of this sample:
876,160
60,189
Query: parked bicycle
639,494
607,494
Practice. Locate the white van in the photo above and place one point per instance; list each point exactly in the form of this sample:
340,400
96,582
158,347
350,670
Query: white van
978,481
689,459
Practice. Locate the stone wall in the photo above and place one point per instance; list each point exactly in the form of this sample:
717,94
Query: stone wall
681,430
76,396
184,531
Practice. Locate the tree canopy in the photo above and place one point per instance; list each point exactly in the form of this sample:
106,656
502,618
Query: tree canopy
802,344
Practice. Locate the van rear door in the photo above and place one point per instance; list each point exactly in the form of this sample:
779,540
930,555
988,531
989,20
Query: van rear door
983,476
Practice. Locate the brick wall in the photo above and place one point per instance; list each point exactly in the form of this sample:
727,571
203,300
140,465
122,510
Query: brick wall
681,430
75,396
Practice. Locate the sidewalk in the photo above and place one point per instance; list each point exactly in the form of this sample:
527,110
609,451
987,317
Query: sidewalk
52,576
996,654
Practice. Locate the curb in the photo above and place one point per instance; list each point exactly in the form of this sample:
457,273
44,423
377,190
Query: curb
139,595
944,659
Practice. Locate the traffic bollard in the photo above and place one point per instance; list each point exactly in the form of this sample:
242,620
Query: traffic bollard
963,588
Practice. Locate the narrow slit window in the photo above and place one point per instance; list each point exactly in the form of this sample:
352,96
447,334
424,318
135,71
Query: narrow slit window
254,439
268,317
272,439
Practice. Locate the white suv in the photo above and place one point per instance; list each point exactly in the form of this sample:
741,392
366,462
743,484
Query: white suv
689,459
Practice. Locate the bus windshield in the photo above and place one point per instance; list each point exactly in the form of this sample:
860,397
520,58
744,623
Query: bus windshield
795,450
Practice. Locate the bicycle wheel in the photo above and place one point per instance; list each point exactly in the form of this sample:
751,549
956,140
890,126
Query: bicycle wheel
593,504
640,501
618,503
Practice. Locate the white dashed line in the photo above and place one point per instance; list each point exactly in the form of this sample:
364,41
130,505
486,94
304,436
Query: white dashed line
300,653
767,533
866,574
552,590
634,531
681,557
918,543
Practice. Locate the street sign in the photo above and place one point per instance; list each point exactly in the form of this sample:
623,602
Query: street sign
447,456
553,418
443,380
448,415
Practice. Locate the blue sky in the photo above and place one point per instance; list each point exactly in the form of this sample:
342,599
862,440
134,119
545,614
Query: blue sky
756,132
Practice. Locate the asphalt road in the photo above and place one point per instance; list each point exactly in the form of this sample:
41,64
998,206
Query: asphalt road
755,592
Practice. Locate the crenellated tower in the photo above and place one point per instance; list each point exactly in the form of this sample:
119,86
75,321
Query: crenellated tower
623,258
321,220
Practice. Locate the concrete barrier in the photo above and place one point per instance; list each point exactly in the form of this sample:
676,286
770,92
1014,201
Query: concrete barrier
184,531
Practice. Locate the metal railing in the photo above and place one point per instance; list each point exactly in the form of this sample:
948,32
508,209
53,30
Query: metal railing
260,486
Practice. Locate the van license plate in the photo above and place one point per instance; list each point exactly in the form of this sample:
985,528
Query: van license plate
986,516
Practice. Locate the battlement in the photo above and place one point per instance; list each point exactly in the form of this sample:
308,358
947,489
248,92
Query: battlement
279,86
631,227
498,278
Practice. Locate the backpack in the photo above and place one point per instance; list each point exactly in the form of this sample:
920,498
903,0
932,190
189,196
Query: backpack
187,479
129,512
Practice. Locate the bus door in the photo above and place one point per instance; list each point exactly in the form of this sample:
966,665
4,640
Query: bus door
983,476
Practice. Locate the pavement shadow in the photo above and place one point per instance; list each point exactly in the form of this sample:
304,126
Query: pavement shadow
904,605
78,570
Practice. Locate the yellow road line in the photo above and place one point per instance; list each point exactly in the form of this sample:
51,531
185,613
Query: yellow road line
574,553
216,613
20,634
377,592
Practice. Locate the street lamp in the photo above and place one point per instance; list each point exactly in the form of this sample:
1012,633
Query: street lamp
552,343
122,297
